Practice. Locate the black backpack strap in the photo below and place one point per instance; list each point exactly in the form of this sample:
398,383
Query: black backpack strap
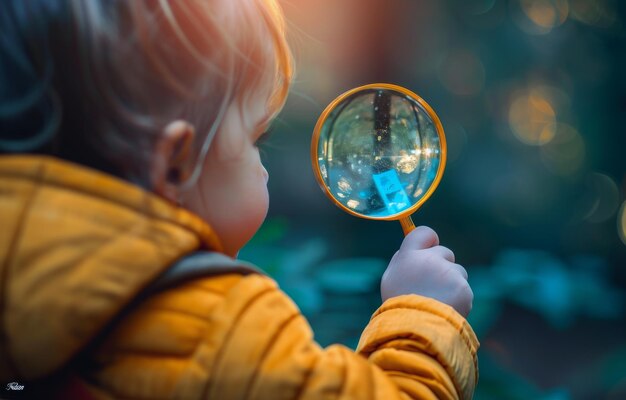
195,265
199,264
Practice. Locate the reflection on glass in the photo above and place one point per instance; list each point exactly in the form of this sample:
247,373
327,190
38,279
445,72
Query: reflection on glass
378,152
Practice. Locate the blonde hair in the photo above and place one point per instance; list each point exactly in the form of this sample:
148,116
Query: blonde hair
123,69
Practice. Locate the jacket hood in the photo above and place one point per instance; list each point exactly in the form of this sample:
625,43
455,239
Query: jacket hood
76,245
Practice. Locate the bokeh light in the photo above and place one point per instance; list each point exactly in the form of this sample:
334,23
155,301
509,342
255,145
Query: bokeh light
605,196
546,13
532,118
539,17
565,153
557,97
599,13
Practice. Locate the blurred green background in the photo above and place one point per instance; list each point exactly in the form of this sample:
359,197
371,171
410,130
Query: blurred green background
531,94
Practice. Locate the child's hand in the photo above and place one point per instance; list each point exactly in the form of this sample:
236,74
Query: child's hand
423,267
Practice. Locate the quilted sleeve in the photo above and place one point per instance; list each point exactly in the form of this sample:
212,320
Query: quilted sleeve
414,348
242,338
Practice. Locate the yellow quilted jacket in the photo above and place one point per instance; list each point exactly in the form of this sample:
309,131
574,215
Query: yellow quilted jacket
76,246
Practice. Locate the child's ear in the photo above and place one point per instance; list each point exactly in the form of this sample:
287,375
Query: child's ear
170,159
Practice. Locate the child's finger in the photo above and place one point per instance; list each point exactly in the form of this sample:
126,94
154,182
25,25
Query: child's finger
460,269
443,252
420,238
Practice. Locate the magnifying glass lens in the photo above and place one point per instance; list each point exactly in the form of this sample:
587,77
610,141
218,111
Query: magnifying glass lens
379,152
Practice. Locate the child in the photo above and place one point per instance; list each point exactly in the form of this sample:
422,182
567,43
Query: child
127,132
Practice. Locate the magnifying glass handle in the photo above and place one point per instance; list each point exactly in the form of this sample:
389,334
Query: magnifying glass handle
407,224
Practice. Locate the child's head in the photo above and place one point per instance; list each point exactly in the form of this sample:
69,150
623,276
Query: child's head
139,88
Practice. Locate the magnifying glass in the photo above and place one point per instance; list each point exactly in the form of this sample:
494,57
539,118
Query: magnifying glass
379,152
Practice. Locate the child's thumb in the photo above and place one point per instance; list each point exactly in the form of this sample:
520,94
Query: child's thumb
420,238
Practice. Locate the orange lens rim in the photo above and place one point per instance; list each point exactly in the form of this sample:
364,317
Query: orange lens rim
404,91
